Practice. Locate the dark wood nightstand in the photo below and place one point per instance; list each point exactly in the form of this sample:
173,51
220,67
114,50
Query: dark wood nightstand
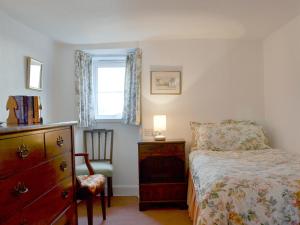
162,174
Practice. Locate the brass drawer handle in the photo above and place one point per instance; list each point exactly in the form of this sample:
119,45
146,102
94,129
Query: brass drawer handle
20,188
60,141
63,166
23,151
65,194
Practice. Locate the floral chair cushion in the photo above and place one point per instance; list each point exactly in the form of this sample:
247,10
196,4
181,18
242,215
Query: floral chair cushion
228,135
91,183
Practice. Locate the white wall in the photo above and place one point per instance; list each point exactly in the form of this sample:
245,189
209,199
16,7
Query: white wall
221,79
282,85
16,42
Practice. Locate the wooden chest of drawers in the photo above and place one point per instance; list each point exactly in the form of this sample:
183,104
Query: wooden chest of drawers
162,176
37,179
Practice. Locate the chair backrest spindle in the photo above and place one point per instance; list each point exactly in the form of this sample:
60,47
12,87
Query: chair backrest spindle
99,146
105,143
93,154
85,141
104,139
111,144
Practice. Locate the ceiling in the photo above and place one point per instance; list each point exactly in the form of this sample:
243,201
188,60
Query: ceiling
102,21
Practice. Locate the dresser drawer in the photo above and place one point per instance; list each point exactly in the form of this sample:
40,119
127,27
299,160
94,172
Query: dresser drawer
67,218
37,180
163,192
62,166
20,153
48,207
20,190
15,220
58,142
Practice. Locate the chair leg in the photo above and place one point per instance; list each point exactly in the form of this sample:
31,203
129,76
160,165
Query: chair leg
109,190
103,206
89,207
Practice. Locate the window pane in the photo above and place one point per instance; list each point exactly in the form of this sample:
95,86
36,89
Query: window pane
110,103
110,89
111,79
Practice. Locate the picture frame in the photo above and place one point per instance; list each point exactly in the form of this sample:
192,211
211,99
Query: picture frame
165,82
34,74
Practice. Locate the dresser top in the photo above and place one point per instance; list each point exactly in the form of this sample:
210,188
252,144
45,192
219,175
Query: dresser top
167,141
7,129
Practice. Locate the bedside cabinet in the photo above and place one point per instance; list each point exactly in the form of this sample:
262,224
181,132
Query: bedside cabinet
162,174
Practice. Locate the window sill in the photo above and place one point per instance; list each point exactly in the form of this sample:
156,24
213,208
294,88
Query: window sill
108,120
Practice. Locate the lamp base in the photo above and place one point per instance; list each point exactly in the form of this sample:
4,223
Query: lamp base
159,138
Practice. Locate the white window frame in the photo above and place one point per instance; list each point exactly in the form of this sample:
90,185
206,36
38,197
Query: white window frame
115,61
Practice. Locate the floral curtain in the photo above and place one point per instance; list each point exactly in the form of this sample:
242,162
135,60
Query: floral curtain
84,88
132,91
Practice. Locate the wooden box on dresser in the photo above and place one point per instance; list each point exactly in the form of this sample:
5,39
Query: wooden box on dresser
37,182
162,174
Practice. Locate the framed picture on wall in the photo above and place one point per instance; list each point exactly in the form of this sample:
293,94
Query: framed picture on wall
165,82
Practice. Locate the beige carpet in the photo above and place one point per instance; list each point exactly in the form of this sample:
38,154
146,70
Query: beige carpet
124,211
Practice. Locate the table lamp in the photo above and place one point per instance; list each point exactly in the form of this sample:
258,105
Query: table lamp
159,125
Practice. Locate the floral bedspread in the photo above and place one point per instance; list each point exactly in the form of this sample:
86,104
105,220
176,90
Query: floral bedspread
258,187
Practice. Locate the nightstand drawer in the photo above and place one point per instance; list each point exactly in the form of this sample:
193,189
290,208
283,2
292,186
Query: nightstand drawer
161,149
163,192
161,169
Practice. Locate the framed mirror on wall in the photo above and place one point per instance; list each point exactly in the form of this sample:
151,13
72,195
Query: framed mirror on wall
34,74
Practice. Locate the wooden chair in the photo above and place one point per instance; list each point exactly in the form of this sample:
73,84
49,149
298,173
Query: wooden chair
99,144
89,186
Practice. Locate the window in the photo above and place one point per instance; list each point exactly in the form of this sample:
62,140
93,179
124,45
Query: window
109,79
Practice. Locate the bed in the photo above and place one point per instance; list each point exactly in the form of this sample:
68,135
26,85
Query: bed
248,186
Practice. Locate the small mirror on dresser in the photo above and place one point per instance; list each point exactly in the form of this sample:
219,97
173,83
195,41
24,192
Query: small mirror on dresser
34,74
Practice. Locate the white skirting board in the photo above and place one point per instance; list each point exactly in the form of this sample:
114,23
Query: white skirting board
125,190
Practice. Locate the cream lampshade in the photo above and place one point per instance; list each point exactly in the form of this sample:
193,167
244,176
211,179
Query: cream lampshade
159,125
